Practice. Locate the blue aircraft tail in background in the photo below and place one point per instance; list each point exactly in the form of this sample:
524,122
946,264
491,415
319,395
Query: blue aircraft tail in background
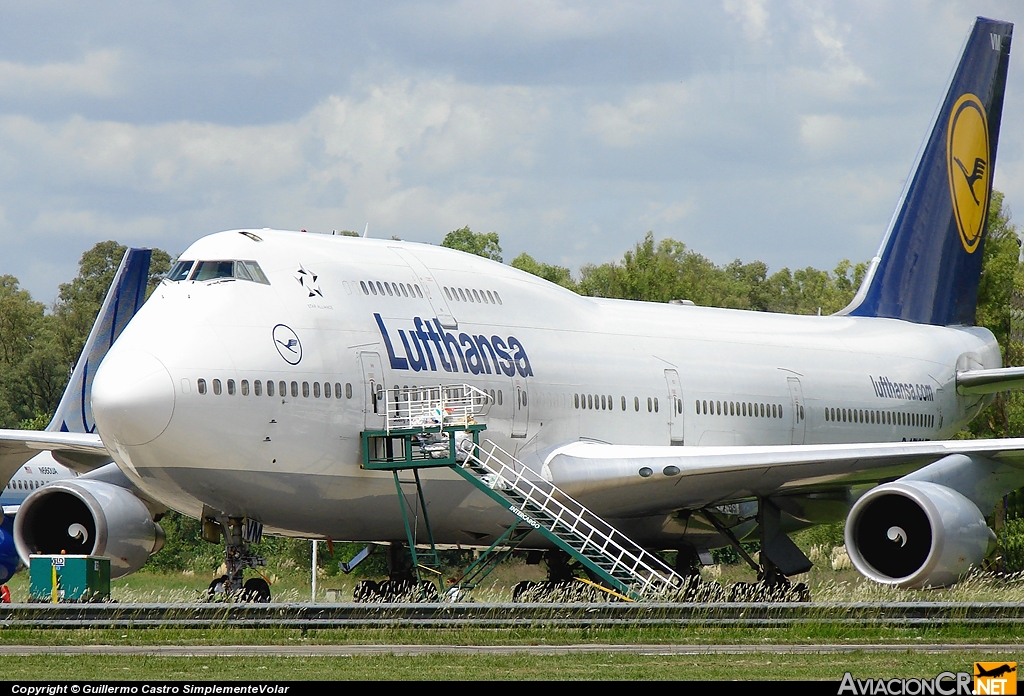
929,265
125,297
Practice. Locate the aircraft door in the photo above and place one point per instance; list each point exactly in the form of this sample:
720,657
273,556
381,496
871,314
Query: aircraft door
796,410
520,407
437,302
675,410
374,392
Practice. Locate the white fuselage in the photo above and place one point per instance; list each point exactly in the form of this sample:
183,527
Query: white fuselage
562,368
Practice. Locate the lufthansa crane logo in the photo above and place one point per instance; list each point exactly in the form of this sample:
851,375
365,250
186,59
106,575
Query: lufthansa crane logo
968,167
287,343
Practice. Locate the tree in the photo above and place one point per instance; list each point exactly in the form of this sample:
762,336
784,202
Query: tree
1001,276
481,244
80,300
555,274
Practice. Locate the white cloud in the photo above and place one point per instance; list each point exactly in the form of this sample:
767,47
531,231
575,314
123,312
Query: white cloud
752,14
94,75
646,113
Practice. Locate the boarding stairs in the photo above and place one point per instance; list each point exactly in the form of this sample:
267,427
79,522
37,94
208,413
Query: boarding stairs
606,552
439,426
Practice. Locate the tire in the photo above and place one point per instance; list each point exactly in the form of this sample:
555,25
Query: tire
521,588
217,589
256,590
366,591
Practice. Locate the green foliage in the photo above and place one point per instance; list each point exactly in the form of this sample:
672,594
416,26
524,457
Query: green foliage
1001,275
825,535
80,300
667,270
554,274
481,244
28,374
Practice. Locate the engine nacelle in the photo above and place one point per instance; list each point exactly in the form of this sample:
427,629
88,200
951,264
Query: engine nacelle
91,518
916,534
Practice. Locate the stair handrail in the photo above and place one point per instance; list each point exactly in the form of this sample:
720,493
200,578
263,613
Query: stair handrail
648,573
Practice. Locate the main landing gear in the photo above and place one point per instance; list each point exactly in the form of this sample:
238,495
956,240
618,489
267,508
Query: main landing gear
779,558
237,534
401,585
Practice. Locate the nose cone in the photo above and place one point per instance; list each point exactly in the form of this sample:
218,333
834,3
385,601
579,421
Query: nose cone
132,397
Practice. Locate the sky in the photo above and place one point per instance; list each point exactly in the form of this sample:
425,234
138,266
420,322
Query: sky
777,131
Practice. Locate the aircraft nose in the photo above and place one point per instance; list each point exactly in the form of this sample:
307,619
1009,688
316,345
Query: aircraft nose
132,397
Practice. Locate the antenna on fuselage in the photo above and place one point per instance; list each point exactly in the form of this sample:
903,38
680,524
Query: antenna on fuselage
366,231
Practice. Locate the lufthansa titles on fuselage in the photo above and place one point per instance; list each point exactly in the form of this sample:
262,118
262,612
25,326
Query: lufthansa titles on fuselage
476,355
885,388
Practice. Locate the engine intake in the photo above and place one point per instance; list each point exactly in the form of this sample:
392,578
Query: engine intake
916,534
87,517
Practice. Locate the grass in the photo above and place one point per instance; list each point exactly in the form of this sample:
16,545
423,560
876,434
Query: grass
826,585
517,667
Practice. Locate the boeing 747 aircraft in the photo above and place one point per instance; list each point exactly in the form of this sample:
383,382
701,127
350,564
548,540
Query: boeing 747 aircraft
243,391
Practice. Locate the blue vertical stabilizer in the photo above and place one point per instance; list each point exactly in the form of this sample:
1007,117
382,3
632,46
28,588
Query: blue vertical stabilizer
125,297
929,265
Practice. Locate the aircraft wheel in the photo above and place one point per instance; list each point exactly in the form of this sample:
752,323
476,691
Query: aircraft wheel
217,589
366,591
256,590
521,588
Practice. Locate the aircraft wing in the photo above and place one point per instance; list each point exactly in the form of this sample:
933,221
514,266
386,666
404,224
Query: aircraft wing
80,451
634,480
990,381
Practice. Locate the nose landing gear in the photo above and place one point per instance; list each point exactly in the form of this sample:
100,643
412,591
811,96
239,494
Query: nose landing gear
238,556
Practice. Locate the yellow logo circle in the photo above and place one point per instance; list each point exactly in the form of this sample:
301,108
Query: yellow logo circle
969,168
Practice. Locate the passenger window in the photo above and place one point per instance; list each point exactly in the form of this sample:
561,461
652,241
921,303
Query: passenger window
257,388
362,284
650,405
602,402
576,400
418,293
270,387
497,296
216,387
348,390
446,293
372,288
316,390
476,296
490,297
499,397
231,387
462,295
282,388
295,390
327,390
623,403
245,387
201,385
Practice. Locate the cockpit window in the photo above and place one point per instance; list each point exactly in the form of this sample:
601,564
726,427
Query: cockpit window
180,271
255,271
212,270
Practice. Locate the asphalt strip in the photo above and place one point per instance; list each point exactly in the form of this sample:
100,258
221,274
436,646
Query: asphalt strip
406,650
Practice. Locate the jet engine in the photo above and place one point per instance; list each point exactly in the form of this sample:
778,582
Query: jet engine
916,534
81,516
